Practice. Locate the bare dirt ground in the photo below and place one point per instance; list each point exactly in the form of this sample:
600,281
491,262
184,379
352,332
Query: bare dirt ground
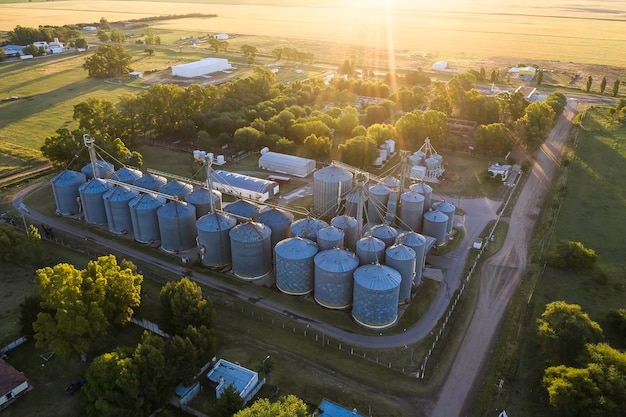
501,273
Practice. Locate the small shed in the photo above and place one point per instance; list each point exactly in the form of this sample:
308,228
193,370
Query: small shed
221,36
330,409
286,164
245,381
12,384
199,68
135,74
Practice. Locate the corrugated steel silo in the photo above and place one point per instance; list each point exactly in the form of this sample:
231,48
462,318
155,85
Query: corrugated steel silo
416,242
307,228
350,230
402,259
214,240
242,208
105,170
201,199
117,210
385,233
330,237
177,225
143,214
333,277
411,211
376,293
436,225
377,203
370,250
91,200
352,204
176,189
251,249
150,182
431,163
278,221
448,209
295,269
329,184
65,189
425,190
127,175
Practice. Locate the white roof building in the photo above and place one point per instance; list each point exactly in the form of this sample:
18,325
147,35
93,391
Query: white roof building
221,36
226,373
200,68
286,164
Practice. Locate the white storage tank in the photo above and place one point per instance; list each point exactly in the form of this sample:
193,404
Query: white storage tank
117,211
370,250
295,268
411,211
214,240
329,184
376,293
330,237
425,190
436,225
143,214
416,242
201,199
333,278
377,203
448,209
350,230
251,250
91,200
150,182
402,259
307,228
385,233
177,225
65,189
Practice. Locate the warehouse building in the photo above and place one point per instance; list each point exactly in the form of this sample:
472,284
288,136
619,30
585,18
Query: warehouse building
286,164
199,68
244,186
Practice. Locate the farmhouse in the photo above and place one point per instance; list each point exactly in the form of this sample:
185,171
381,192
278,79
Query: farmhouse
286,164
12,384
200,68
245,381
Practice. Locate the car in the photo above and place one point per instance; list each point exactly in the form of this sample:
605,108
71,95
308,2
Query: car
75,386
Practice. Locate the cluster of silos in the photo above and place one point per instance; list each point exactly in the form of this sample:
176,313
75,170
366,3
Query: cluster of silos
65,189
423,166
385,152
330,185
307,228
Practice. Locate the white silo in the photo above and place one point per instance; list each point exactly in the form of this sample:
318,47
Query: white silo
411,211
307,228
416,242
91,200
385,233
377,203
333,278
375,297
370,250
251,249
448,209
117,211
436,225
330,237
65,189
295,268
402,259
214,240
349,226
330,184
425,190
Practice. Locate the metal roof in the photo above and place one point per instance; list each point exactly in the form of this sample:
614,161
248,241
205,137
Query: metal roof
233,179
282,158
400,252
330,409
377,277
68,177
411,239
332,173
436,217
296,248
215,222
227,373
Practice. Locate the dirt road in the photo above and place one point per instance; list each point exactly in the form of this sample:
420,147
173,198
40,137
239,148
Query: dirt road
501,273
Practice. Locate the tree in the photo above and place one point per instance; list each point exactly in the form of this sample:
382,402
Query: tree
588,85
317,147
3,55
557,101
375,113
563,331
278,52
602,85
109,61
104,24
29,308
249,50
539,77
117,36
102,36
149,51
80,43
246,139
155,377
214,43
616,88
493,139
286,406
184,305
533,128
15,246
359,151
229,402
513,105
575,255
617,320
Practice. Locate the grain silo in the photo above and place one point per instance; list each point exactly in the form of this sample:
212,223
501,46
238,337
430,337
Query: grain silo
91,200
242,209
117,211
307,228
436,225
370,250
448,209
375,298
333,278
352,203
411,211
143,214
127,175
377,203
416,242
105,169
385,233
295,266
350,230
65,189
176,189
214,240
201,199
278,221
251,249
329,185
425,190
177,225
150,182
402,259
330,237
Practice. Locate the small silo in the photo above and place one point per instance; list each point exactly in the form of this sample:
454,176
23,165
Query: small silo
431,164
65,189
333,278
251,249
370,250
214,240
127,175
411,211
352,203
385,233
177,225
376,293
448,209
307,228
377,203
425,190
416,242
105,170
143,214
329,184
330,237
201,199
150,182
350,230
242,208
436,225
117,210
402,259
176,189
392,182
91,200
278,221
295,266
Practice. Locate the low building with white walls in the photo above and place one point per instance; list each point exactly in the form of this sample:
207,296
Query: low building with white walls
286,164
200,68
12,384
226,373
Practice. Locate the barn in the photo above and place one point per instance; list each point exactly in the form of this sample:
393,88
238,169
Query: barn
244,186
200,68
286,164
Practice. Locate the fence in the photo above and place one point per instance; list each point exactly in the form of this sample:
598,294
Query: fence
13,344
150,326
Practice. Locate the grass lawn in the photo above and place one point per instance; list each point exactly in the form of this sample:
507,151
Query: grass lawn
464,176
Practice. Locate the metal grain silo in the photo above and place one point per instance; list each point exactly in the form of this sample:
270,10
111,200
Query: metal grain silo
448,209
385,233
370,250
242,208
330,237
333,277
425,190
411,211
350,230
127,175
150,182
91,200
431,164
105,170
143,214
251,249
416,242
278,221
117,210
307,228
177,225
329,185
436,225
214,240
65,189
377,203
295,269
176,189
375,298
352,203
402,259
201,199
